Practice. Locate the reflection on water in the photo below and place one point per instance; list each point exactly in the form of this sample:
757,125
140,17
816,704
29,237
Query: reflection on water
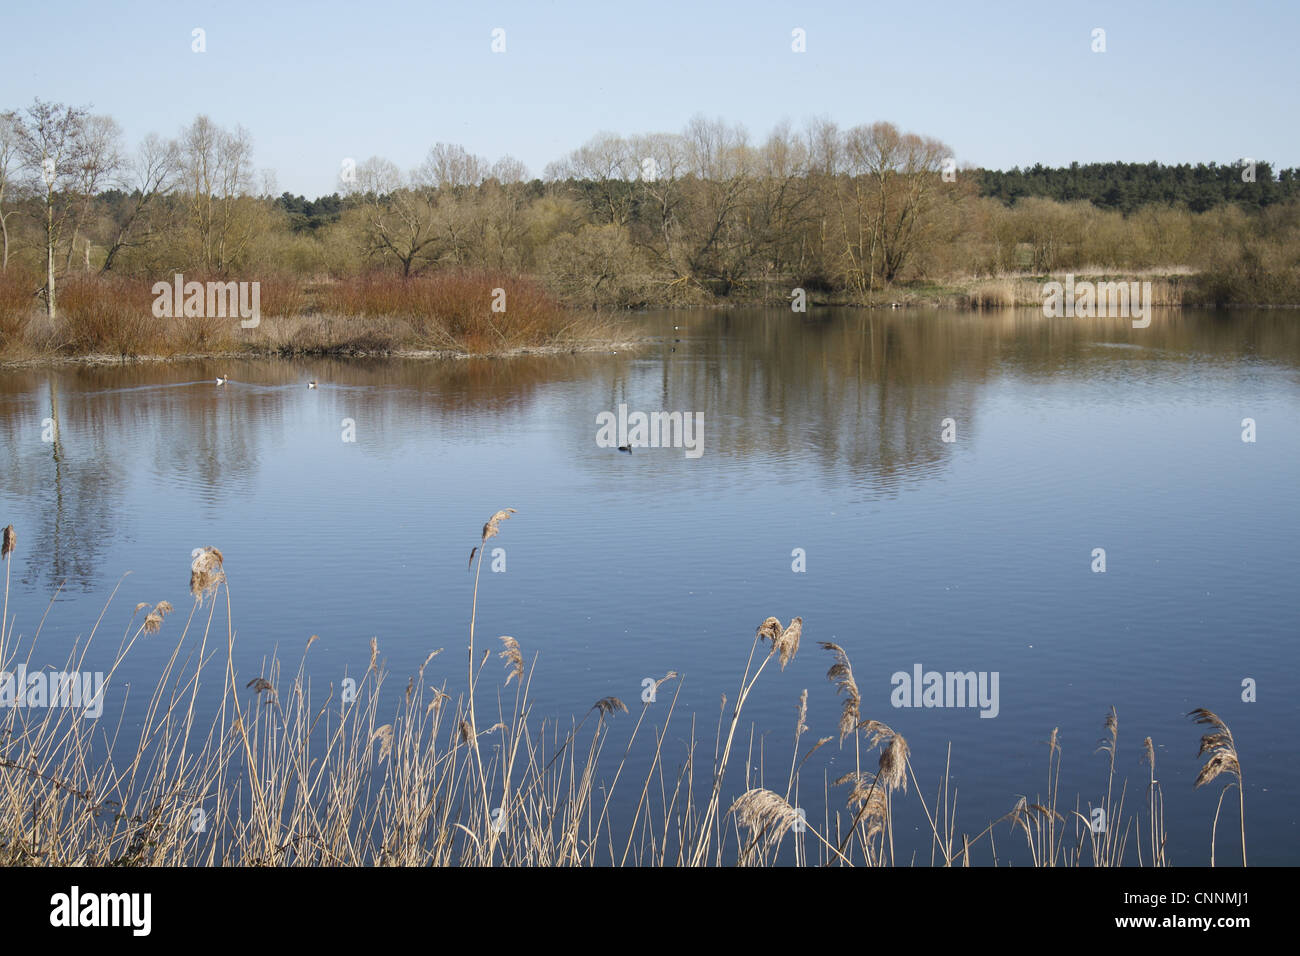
849,392
822,432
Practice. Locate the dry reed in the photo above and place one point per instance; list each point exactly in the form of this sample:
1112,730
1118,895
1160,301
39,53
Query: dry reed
407,778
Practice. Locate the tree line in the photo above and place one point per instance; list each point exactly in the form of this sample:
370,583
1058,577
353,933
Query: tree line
1128,186
620,221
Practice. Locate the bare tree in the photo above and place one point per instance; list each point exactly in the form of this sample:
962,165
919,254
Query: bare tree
101,160
396,220
722,163
604,166
824,145
884,198
507,170
906,168
151,173
451,165
9,159
664,168
597,267
216,167
782,207
51,143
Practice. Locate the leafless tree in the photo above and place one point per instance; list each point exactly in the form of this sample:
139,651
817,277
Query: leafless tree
508,170
216,170
605,165
451,165
664,168
883,199
9,159
722,164
151,173
782,211
395,215
52,147
101,161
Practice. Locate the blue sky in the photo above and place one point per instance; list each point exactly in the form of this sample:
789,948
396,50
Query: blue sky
1003,84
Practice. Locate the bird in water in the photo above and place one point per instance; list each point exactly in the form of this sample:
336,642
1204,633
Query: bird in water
223,379
311,384
626,448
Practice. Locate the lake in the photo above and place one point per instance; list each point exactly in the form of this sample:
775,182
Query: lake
823,488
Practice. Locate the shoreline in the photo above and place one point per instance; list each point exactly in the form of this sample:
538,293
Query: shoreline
101,360
994,297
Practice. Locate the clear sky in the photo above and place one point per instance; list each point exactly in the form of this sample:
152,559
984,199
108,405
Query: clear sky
1003,84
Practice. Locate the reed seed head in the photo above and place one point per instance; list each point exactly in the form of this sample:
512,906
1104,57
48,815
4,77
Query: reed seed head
765,812
1024,814
153,622
1220,746
8,541
206,572
384,735
785,641
841,675
1110,743
432,655
893,759
513,657
865,790
493,525
665,679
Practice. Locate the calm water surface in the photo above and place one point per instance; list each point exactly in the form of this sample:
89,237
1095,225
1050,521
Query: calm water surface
821,433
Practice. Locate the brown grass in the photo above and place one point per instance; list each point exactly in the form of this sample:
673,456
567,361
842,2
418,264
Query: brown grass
373,314
112,316
17,306
455,309
1006,292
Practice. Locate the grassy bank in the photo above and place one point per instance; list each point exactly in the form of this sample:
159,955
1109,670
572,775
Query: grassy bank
449,313
286,775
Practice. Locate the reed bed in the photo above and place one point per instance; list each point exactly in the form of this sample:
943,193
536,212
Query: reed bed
285,774
476,313
1171,289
